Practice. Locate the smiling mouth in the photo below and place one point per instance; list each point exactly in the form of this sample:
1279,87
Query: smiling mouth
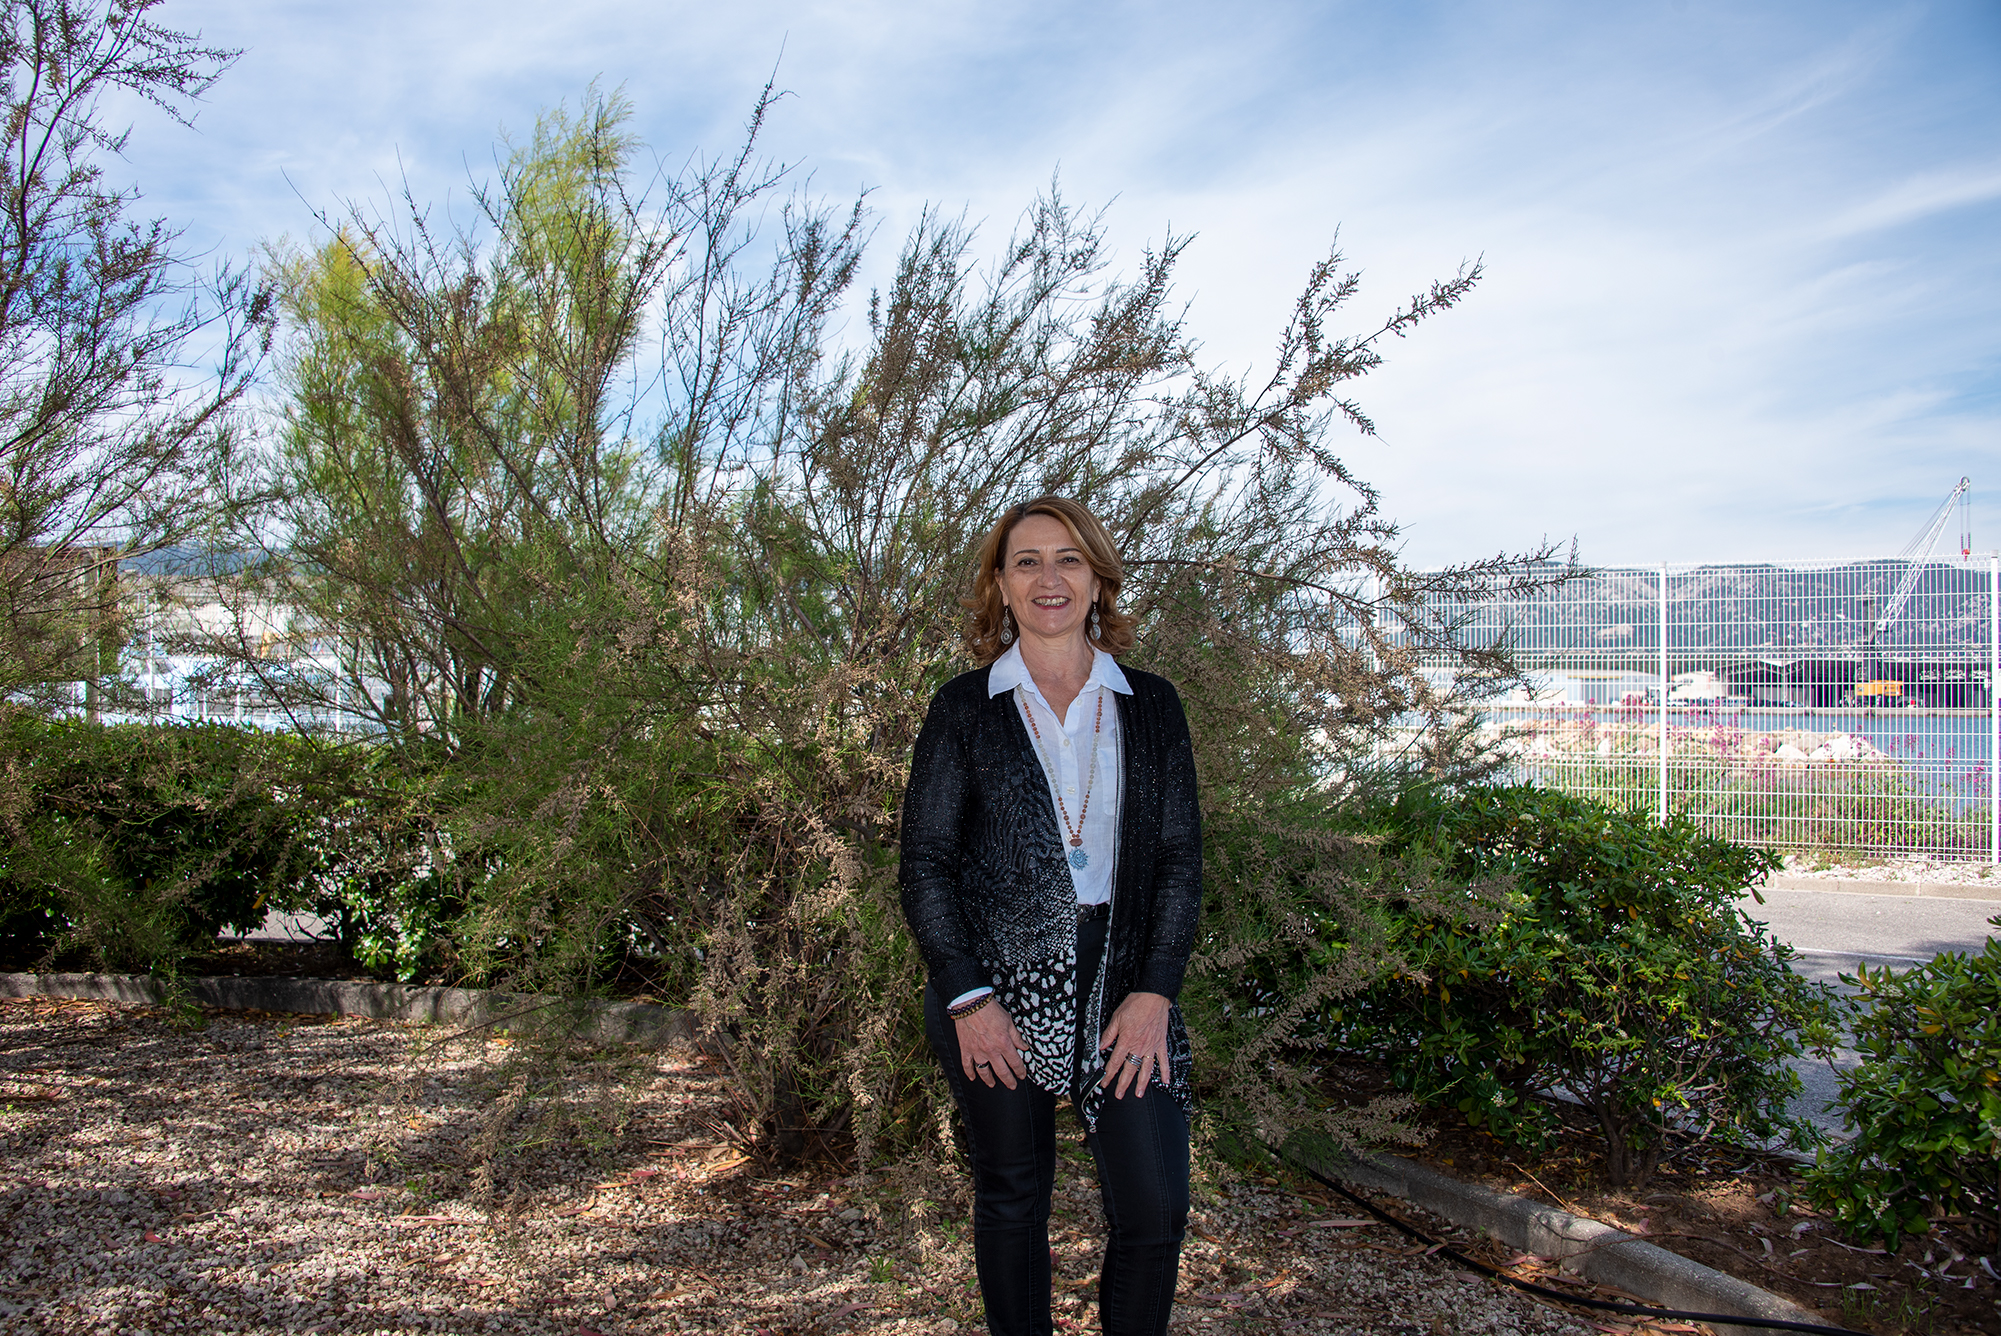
1050,602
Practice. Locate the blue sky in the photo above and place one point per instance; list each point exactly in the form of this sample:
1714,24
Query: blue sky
1743,280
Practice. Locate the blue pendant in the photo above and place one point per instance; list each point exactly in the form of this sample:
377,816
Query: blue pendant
1079,859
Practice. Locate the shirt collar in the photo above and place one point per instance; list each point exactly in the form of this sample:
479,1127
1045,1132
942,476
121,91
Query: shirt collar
1009,672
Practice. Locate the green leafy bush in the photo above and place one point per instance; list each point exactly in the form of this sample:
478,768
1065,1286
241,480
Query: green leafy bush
127,846
1925,1102
1608,958
385,871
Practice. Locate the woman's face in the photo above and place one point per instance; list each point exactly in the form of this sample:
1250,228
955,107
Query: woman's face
1046,581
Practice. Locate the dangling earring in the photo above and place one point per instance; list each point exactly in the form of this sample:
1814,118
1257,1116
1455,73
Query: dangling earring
1094,619
1007,626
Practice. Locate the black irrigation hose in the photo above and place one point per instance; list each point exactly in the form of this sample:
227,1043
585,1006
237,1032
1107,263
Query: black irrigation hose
1529,1287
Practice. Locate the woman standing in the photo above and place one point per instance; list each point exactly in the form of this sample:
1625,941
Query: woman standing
1052,874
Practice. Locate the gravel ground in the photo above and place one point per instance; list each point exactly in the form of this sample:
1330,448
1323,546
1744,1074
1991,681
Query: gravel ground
1935,870
244,1173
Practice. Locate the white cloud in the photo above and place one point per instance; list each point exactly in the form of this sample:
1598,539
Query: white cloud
1919,198
1741,276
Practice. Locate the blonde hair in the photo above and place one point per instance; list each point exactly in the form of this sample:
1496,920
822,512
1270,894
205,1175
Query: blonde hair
1114,633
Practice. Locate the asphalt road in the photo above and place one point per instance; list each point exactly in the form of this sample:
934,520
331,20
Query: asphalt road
1833,931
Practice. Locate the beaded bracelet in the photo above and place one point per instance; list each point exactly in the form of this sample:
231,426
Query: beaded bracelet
965,1009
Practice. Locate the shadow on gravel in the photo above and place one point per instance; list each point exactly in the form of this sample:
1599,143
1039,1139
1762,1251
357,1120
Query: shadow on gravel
286,1174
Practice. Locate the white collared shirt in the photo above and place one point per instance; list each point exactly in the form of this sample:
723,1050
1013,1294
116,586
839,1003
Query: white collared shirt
1065,753
1068,744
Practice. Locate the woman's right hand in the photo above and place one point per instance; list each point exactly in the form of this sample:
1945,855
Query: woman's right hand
990,1046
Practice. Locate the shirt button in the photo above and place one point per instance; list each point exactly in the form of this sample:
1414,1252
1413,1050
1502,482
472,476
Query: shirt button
1066,742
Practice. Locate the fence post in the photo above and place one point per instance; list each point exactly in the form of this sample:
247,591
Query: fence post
1993,706
1662,741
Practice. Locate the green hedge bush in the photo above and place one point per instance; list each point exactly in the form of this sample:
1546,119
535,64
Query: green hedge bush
1613,962
1925,1103
386,872
127,846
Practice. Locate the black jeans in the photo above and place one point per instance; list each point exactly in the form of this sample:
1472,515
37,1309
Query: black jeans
1141,1152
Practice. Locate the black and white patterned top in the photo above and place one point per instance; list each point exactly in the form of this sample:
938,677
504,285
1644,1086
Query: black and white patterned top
988,892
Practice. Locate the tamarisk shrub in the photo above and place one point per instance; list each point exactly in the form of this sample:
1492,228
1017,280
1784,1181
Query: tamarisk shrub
602,503
112,432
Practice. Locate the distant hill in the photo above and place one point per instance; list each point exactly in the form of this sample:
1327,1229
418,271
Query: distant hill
189,562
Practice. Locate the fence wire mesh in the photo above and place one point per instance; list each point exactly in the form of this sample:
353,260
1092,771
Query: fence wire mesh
1844,707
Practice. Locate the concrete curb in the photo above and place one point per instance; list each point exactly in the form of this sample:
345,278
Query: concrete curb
1592,1250
639,1023
1930,890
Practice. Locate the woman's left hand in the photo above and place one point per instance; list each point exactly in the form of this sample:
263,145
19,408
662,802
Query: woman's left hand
1135,1044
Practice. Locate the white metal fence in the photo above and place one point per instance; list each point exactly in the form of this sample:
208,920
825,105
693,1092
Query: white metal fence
1838,706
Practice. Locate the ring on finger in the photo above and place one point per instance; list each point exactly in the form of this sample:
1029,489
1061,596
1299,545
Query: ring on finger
1135,1059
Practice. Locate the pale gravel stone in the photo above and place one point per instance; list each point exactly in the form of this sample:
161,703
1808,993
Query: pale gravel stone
240,1150
1954,871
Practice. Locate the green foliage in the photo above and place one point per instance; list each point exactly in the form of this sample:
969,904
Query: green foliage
382,869
130,846
1925,1102
1607,957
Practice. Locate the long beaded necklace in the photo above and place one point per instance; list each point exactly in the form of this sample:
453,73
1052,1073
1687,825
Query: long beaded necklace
1078,858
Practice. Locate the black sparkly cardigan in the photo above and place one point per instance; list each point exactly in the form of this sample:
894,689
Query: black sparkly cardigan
988,893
